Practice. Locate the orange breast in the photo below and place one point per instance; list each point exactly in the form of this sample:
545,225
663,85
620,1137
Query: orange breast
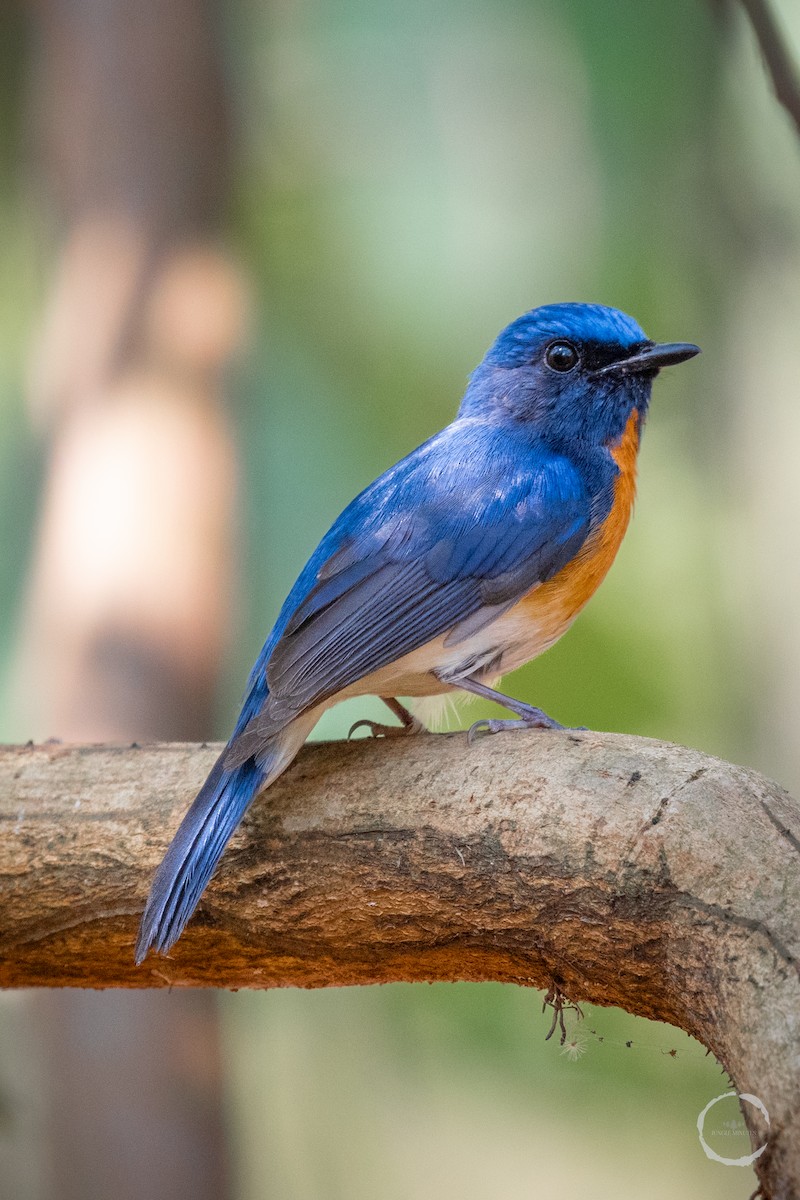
555,604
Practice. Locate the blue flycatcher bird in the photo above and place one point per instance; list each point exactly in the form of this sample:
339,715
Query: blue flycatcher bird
465,560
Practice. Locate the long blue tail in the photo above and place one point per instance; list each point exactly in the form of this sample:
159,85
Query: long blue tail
195,851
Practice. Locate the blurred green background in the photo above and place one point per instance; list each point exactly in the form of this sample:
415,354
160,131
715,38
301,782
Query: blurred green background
405,179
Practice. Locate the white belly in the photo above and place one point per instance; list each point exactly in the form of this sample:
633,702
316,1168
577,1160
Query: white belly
509,642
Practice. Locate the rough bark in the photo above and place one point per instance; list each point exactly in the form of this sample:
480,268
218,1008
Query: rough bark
625,871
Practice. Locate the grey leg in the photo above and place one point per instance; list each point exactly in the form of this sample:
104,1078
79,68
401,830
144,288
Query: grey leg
527,716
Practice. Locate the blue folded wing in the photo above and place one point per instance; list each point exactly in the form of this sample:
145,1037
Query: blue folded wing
442,542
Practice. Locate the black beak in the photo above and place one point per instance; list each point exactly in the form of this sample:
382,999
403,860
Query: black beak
651,359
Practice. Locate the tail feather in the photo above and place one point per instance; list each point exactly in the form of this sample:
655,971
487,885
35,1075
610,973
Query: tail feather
194,852
205,831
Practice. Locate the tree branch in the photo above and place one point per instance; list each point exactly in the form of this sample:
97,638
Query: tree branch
777,59
623,871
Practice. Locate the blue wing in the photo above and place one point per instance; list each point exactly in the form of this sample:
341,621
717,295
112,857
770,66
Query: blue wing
439,544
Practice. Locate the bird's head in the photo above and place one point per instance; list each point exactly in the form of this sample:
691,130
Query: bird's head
571,372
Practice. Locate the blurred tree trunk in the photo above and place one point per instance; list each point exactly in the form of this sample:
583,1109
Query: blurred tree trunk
130,589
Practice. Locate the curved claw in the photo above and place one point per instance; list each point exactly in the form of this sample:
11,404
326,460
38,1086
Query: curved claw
500,724
378,730
537,720
373,727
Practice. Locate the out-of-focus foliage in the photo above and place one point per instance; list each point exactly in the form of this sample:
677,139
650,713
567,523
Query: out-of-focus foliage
410,177
21,260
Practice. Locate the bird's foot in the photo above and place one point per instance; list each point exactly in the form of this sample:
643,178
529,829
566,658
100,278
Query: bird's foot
527,717
530,718
379,730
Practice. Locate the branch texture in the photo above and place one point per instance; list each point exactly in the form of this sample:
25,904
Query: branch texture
625,871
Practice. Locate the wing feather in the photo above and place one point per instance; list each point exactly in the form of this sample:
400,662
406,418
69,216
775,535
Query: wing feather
439,545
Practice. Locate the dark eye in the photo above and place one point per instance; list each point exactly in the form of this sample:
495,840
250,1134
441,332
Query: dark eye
561,356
